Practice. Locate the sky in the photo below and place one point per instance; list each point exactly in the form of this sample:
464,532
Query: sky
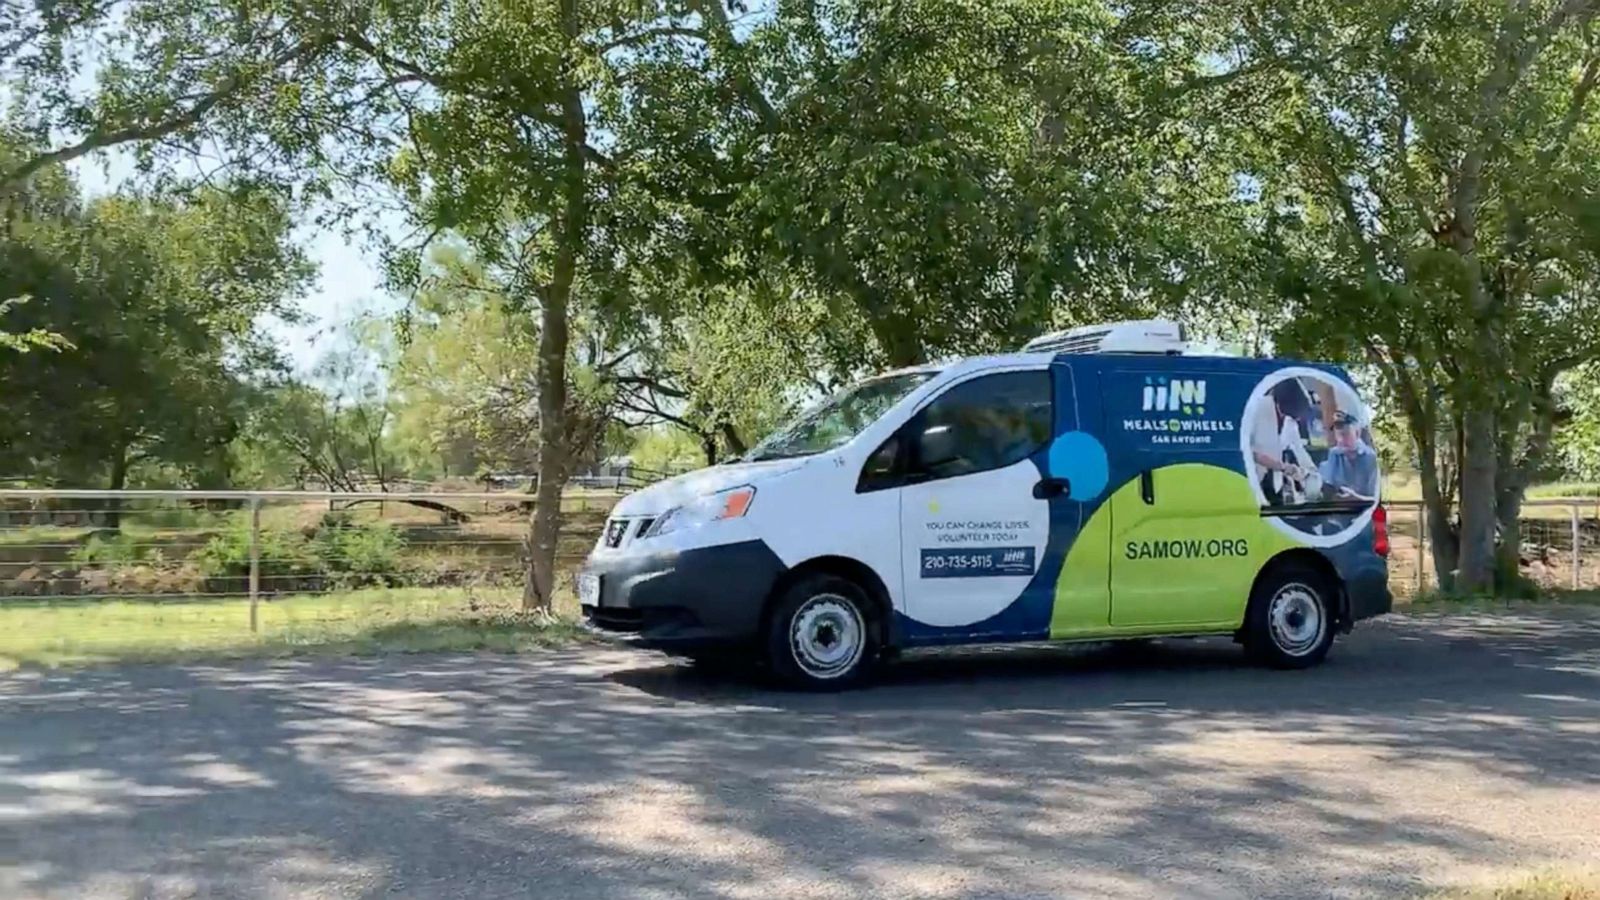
348,285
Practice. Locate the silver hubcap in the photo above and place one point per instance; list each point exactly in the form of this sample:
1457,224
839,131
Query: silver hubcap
827,636
1296,619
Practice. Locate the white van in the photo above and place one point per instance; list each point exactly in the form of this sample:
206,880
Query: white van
1100,484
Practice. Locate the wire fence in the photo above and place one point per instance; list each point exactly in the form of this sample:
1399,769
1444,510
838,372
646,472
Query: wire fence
1558,546
303,561
105,568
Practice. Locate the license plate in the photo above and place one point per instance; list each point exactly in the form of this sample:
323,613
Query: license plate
589,589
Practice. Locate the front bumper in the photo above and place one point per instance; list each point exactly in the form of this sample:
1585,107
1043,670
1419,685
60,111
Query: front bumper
684,600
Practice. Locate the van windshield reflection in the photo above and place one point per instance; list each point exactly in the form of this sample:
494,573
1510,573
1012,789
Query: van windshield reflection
836,420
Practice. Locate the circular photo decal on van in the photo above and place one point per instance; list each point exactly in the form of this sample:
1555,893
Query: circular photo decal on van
1307,443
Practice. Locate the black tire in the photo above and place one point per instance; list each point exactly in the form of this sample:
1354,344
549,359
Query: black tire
821,635
1292,617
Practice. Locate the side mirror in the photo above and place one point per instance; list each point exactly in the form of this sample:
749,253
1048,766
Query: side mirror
936,446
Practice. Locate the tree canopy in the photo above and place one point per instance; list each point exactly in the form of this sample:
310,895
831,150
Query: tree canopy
697,214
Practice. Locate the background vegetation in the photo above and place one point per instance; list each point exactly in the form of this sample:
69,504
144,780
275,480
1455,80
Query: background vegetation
658,227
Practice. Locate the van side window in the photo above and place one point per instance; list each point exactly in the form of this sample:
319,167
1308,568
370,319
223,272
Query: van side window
986,423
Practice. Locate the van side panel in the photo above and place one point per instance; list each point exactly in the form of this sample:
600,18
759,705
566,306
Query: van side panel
1194,505
1172,512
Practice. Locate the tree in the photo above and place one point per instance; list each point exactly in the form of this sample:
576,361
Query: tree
558,145
965,175
1427,204
33,339
156,300
464,375
239,85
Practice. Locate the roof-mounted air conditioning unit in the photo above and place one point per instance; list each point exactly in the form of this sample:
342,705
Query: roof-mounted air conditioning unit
1147,336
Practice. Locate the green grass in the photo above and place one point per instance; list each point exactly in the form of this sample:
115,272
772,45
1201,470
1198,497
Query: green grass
411,620
1407,487
1547,886
1564,489
1401,486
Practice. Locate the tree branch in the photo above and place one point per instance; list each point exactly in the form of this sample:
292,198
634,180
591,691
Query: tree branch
712,12
224,91
652,384
649,34
1575,107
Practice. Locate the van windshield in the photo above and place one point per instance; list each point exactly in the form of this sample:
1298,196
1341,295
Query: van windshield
836,420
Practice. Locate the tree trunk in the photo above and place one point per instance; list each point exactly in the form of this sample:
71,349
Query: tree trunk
1441,532
897,335
708,447
1517,468
1508,553
731,438
1479,466
898,338
1479,442
544,528
119,480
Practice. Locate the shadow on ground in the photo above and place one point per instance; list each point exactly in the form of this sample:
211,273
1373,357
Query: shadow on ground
1423,746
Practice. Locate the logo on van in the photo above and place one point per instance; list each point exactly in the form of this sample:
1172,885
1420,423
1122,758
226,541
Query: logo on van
1185,395
1176,412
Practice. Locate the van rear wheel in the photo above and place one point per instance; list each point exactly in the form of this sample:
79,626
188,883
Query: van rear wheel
1290,623
820,635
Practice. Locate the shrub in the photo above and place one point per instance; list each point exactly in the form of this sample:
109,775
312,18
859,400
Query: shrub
353,553
227,555
359,552
112,548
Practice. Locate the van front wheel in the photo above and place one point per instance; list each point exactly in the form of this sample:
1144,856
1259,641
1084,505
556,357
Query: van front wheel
820,636
1291,619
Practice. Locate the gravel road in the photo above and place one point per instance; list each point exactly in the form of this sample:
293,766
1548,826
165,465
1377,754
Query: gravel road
1428,750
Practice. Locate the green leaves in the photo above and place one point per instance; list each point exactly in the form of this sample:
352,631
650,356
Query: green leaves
150,304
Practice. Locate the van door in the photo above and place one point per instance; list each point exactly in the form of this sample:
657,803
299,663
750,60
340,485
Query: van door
975,507
1184,545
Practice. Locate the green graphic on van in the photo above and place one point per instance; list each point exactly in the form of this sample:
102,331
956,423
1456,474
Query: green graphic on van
1201,583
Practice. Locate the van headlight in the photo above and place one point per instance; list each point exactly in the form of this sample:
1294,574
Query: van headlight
729,504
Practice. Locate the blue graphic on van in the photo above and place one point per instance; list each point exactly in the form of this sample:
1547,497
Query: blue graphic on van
977,562
1080,458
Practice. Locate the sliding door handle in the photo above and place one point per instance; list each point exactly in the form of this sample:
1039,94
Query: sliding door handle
1051,487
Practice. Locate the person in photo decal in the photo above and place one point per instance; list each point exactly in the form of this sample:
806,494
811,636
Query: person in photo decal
1350,471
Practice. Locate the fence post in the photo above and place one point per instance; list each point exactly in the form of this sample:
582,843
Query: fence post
1577,557
255,561
1422,548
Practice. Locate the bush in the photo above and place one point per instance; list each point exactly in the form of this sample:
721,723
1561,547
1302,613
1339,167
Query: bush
353,553
227,555
359,552
103,548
